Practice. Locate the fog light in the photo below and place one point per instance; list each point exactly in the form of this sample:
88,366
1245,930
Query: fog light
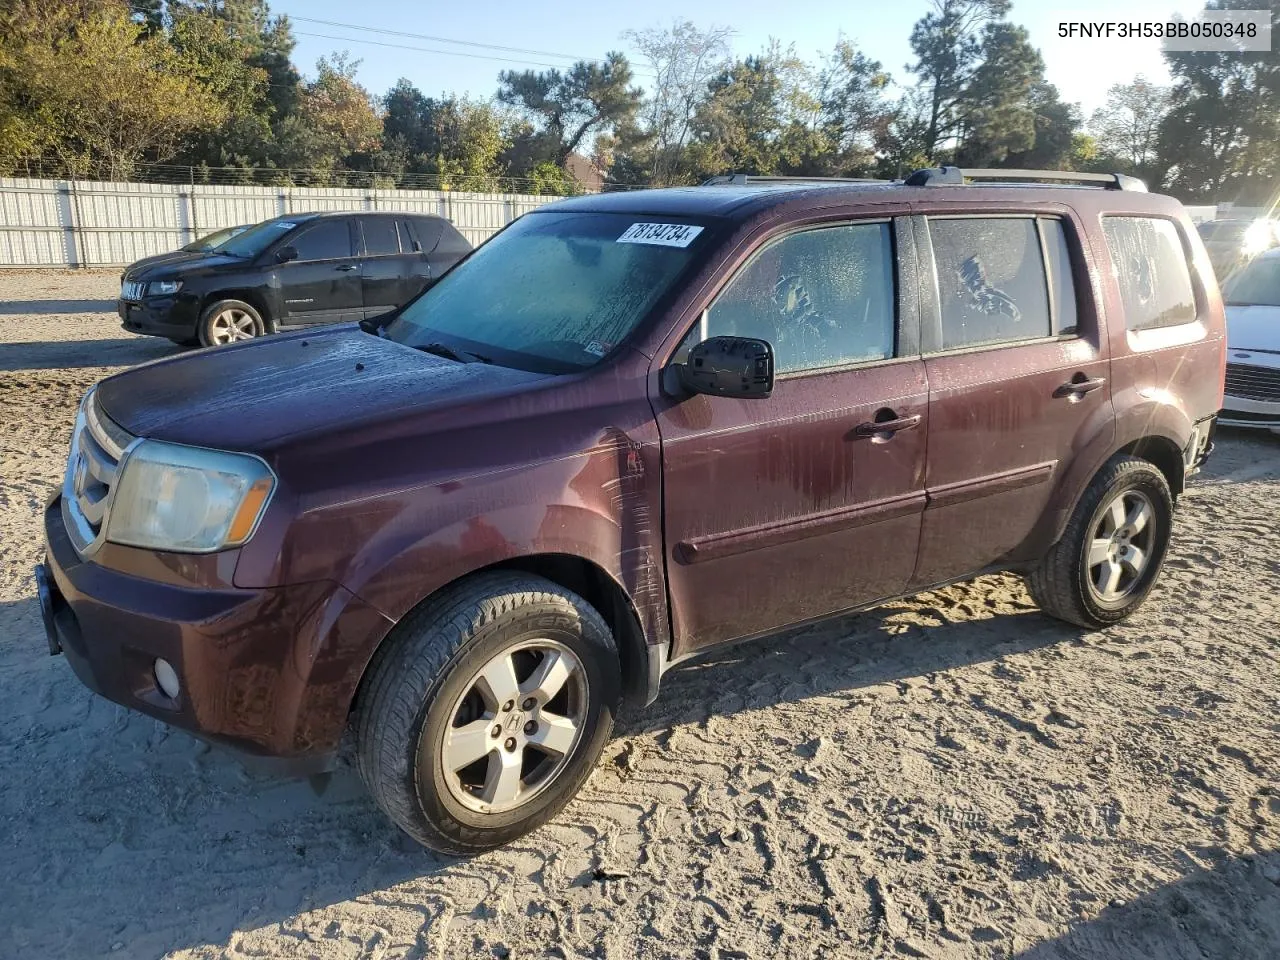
167,679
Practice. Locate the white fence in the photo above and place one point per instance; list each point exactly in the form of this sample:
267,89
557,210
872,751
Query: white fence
67,223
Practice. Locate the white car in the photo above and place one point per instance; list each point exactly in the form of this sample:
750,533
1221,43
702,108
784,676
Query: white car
1253,345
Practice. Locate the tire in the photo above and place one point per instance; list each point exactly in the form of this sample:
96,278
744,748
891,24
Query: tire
424,682
1067,586
229,321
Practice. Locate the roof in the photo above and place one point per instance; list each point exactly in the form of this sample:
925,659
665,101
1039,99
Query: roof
716,201
740,202
322,214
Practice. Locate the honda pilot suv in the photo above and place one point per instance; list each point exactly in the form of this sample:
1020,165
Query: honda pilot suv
627,429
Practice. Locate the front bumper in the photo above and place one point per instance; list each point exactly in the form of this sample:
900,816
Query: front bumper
172,317
1241,412
270,672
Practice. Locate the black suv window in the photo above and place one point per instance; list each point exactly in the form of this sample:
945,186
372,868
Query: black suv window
991,280
379,236
822,298
1151,270
426,231
327,240
406,238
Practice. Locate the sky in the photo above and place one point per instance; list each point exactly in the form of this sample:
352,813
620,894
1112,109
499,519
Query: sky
1083,70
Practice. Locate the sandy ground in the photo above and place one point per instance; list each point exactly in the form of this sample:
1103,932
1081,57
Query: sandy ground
955,776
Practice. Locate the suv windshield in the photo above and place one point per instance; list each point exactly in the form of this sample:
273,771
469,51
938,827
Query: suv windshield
554,292
256,239
1258,284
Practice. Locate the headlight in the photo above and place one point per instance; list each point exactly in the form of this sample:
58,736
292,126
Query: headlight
187,499
161,288
1256,239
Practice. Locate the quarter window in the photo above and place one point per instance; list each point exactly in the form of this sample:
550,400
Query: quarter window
1151,271
822,298
992,285
327,240
380,236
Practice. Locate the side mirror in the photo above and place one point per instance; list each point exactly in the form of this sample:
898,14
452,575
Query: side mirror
286,253
737,367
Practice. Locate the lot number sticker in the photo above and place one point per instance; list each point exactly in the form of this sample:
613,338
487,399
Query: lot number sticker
661,234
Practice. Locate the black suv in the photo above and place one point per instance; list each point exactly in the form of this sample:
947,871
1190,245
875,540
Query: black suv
291,271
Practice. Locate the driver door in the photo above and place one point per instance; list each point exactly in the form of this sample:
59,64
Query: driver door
790,508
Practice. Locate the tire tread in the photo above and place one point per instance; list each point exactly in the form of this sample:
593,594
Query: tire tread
411,662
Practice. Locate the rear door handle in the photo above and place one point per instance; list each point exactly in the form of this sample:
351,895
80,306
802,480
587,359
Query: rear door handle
347,267
876,428
1079,385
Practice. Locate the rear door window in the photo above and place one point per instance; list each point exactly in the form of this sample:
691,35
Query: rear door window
406,238
380,237
327,240
1151,271
992,283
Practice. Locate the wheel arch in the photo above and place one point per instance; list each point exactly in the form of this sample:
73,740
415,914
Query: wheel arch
1164,453
641,662
250,296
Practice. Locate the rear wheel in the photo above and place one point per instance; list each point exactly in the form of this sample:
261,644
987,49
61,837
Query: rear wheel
485,711
1109,557
229,321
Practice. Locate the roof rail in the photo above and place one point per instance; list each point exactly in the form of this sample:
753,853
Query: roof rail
742,179
956,176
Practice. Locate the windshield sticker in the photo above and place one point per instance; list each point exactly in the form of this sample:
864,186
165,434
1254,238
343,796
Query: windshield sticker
598,348
661,234
285,226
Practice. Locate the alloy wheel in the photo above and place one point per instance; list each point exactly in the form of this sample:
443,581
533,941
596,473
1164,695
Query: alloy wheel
232,325
1121,547
513,730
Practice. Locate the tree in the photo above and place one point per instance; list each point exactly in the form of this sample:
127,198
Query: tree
336,118
854,115
684,60
1221,135
89,86
947,43
760,116
1127,128
1057,124
994,111
458,139
572,107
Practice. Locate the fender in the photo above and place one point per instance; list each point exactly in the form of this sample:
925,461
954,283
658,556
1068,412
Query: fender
1140,417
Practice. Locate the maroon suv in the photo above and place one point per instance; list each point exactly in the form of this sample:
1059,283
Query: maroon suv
626,429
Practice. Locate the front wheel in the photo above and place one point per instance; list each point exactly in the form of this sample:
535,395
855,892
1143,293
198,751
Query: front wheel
1109,557
229,321
485,711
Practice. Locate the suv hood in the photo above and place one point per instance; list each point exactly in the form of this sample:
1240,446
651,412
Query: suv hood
179,263
1255,327
250,397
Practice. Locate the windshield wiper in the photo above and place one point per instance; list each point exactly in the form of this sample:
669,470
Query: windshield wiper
463,356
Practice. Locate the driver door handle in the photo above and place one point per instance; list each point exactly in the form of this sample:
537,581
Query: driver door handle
874,428
347,267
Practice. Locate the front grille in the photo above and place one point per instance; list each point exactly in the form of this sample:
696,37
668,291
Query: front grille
132,290
97,447
1253,383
